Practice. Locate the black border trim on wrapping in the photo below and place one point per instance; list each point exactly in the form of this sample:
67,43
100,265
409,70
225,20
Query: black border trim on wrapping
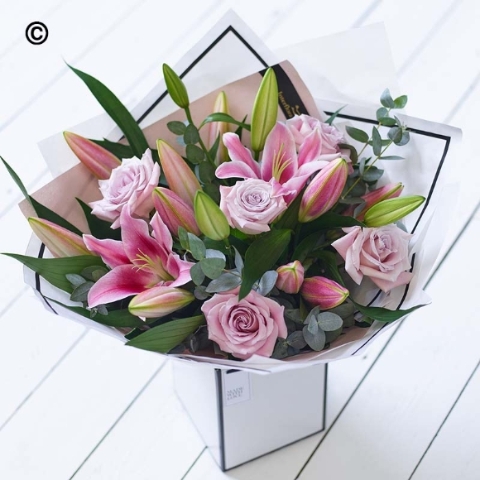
221,421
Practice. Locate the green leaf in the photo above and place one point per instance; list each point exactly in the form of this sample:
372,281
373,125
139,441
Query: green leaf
387,121
197,274
206,172
404,140
191,135
196,247
115,318
261,256
382,314
194,154
54,270
99,228
392,157
41,211
395,134
386,99
331,220
265,110
168,335
372,175
226,281
357,134
75,279
214,150
401,101
296,340
382,112
353,151
289,219
333,116
329,262
376,141
224,117
178,128
316,341
117,111
94,272
80,293
120,150
175,86
212,267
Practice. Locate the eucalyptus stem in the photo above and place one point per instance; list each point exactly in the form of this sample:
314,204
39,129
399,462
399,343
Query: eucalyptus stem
367,169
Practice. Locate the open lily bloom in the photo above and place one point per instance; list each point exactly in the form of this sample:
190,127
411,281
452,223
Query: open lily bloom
280,161
138,262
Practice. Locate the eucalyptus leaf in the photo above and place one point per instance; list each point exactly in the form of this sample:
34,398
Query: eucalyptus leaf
392,157
281,349
212,267
382,112
176,127
316,341
296,340
191,135
80,293
395,135
386,99
201,293
267,282
197,274
238,261
194,154
168,335
404,140
387,121
226,281
331,324
75,279
94,272
376,141
196,247
401,101
372,175
357,134
212,253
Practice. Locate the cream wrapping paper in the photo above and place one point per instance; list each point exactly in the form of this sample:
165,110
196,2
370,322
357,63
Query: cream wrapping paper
231,52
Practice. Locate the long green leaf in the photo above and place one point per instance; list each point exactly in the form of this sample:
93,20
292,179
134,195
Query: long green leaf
120,150
117,111
261,256
99,228
53,270
168,335
115,318
224,117
329,262
383,314
41,210
328,221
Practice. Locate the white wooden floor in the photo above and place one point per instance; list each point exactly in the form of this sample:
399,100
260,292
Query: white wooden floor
76,404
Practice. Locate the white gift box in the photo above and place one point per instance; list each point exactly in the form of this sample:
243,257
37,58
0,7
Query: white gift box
242,416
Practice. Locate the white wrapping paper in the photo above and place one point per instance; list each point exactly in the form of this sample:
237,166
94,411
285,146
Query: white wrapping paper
231,51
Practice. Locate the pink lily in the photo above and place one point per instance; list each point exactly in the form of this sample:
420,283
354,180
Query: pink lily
138,262
280,160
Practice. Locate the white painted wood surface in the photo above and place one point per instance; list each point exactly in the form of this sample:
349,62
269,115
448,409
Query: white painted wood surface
75,404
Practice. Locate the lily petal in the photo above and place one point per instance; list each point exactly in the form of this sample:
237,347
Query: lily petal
279,159
239,153
310,148
119,283
111,251
235,170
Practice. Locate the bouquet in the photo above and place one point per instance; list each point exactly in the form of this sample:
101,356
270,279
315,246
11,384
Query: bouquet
245,237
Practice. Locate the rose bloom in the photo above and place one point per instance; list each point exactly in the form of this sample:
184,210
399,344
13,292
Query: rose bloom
246,327
302,126
132,184
379,253
250,205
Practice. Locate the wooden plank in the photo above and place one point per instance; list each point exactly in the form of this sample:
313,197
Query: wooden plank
453,453
395,413
164,445
73,409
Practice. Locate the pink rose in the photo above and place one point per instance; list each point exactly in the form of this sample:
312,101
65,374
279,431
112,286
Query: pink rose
302,126
132,184
379,253
246,327
250,205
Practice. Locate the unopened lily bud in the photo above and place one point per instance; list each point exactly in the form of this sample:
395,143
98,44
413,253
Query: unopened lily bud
175,86
174,211
210,219
180,178
391,210
323,292
392,190
59,241
96,158
324,190
159,301
265,110
217,129
290,277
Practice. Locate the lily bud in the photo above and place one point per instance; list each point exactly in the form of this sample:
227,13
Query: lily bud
391,210
96,158
265,110
174,211
323,292
324,190
60,241
210,219
216,129
175,86
392,190
181,180
159,301
290,277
